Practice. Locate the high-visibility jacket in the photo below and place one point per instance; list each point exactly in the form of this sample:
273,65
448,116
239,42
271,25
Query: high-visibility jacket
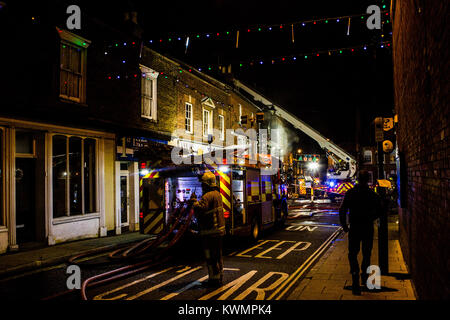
209,212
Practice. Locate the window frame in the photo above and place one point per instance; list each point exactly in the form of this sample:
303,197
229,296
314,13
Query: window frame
74,41
364,156
67,180
222,127
149,74
191,119
209,124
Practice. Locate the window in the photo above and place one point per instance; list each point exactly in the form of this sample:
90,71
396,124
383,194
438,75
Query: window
370,177
73,55
74,176
367,156
207,123
240,113
1,177
222,127
188,118
148,93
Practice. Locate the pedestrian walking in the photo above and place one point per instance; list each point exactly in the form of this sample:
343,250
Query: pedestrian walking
211,222
364,206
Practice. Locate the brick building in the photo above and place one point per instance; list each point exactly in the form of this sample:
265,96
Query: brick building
421,64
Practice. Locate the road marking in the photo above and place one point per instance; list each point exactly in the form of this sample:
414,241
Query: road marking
252,248
311,258
197,282
100,296
162,284
307,245
300,228
231,286
261,255
261,292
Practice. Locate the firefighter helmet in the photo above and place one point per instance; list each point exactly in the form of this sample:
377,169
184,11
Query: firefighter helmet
209,179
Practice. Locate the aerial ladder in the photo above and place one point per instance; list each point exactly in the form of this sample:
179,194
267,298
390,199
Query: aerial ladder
346,172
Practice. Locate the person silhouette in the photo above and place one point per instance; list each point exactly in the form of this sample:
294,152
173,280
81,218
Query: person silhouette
364,206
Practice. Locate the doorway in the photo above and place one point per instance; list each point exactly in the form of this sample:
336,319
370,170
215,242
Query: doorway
25,200
124,200
30,193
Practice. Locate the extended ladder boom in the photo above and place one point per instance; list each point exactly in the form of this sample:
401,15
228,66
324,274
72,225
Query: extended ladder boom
298,124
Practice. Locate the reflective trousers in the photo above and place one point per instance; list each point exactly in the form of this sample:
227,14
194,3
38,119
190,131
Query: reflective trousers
212,248
357,236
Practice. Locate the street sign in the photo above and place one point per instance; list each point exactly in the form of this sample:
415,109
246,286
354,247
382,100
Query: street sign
388,124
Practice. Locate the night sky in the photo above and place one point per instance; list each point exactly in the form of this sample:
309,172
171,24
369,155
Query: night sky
328,92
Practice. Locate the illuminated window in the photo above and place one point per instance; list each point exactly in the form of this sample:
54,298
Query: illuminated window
207,122
188,118
367,156
148,93
222,127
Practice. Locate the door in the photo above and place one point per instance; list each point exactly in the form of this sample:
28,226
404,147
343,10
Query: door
124,199
25,200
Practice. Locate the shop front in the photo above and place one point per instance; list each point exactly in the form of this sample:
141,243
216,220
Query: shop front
54,183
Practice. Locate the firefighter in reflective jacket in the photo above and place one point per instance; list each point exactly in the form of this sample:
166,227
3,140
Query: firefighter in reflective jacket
211,222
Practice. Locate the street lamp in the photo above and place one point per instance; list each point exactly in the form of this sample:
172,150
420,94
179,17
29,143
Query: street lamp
313,166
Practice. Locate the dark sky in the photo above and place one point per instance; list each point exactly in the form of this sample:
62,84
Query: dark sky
329,93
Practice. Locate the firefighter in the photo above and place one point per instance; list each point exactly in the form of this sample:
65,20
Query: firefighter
364,206
211,221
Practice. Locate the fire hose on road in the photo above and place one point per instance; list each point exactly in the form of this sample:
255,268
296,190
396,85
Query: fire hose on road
146,247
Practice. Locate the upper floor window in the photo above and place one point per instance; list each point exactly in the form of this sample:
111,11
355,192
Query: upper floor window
207,123
72,76
367,156
222,127
188,118
148,93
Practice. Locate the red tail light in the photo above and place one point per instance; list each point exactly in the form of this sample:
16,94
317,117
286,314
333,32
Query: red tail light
226,214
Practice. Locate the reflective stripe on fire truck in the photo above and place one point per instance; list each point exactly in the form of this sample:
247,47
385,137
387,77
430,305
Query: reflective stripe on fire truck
225,186
152,221
344,187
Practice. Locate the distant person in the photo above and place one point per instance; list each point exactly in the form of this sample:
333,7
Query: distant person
211,222
364,206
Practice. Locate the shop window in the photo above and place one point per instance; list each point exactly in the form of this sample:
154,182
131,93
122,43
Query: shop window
74,175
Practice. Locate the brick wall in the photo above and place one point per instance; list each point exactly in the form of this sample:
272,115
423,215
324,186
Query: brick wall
421,61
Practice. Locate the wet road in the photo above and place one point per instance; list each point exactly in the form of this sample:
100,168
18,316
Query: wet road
268,269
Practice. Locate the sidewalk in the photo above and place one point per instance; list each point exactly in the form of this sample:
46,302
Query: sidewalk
19,262
329,279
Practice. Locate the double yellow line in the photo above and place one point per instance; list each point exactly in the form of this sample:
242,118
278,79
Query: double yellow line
289,282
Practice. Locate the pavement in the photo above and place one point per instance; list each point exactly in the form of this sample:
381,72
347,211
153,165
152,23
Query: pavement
330,278
14,263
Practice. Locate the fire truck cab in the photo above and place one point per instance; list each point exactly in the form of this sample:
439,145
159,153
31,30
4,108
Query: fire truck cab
251,202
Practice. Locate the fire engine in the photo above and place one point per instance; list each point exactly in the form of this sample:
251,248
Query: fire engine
252,202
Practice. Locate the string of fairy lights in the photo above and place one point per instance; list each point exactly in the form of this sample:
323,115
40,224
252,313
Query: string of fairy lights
252,62
235,34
